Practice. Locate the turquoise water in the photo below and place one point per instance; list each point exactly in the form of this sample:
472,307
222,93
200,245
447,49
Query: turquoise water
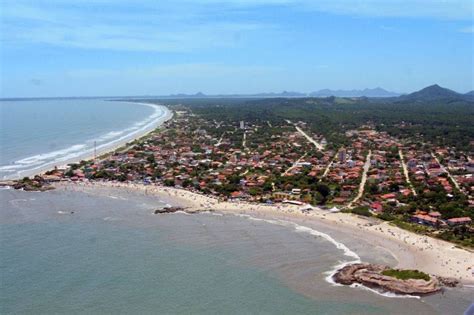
34,133
66,252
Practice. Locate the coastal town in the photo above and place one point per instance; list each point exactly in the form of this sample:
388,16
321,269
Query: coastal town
237,157
423,188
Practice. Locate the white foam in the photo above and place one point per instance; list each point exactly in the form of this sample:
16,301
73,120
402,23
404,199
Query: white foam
111,219
182,212
40,158
347,252
304,229
41,161
385,294
110,135
212,213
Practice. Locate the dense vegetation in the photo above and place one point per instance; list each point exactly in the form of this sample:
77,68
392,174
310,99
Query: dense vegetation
446,122
406,274
443,122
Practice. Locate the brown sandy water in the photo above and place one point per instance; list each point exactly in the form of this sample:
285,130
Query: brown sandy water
113,250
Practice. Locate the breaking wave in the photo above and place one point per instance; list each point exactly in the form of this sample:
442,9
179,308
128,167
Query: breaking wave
27,166
341,246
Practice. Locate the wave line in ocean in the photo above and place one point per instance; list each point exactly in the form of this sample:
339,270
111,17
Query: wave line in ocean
86,149
339,245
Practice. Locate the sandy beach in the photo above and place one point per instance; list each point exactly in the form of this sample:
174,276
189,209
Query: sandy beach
412,251
105,148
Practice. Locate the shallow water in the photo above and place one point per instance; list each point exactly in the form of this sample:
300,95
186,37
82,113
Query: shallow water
112,255
35,133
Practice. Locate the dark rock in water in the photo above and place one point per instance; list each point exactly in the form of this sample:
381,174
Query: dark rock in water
168,210
370,275
190,211
448,282
38,183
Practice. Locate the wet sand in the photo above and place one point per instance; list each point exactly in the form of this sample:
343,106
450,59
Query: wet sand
410,250
297,249
104,149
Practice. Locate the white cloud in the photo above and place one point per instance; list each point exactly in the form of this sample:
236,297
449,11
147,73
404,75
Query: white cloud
183,25
439,9
469,29
158,29
100,36
180,71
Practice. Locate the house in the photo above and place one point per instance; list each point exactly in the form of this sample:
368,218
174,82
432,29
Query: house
376,206
459,221
424,219
388,196
339,200
279,195
435,214
236,194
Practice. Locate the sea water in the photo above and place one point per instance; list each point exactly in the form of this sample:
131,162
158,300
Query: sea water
104,251
38,133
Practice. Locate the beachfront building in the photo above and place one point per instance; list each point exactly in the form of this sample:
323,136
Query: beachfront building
459,221
425,220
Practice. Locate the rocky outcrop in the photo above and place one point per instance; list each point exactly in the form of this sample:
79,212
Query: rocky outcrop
7,183
370,275
448,282
36,184
176,209
168,210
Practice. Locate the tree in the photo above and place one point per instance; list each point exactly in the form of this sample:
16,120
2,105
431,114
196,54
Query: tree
323,189
169,182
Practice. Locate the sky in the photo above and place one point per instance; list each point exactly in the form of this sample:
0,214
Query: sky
51,48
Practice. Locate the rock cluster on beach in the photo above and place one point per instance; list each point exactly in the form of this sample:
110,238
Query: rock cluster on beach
169,210
370,275
36,184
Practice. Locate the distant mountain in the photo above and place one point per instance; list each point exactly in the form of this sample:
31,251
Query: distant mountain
469,96
432,93
282,94
377,92
182,95
271,94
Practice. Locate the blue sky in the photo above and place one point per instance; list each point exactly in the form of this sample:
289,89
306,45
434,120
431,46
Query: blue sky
146,47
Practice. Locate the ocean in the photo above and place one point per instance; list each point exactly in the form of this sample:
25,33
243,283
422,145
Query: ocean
103,251
37,134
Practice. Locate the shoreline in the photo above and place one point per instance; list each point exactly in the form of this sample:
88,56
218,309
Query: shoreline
411,251
101,149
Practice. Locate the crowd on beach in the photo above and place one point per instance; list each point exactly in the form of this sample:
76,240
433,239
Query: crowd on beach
411,250
284,171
